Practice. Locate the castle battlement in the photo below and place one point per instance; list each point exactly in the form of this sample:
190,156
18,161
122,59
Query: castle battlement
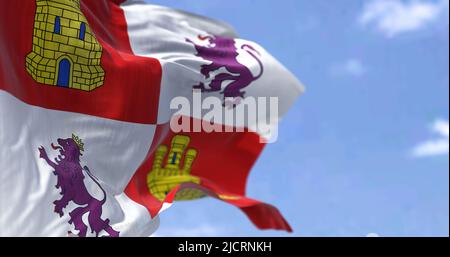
65,52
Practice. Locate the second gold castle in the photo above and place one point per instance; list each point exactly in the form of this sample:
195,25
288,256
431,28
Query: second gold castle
162,179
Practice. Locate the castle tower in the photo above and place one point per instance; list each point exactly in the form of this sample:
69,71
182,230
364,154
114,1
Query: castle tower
65,51
161,180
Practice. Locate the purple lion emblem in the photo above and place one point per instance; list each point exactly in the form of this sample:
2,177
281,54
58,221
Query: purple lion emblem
222,53
70,177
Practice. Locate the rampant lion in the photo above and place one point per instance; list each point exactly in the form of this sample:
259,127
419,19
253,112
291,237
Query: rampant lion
70,179
222,53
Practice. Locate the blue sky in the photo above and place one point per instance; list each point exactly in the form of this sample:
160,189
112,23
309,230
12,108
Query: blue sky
365,150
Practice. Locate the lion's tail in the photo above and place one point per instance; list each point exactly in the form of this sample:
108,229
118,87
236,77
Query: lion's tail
96,182
251,50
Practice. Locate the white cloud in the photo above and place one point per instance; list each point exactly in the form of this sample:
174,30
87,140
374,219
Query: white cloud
393,17
373,235
351,67
438,146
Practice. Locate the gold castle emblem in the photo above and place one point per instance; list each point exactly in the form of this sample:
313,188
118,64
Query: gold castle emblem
65,51
161,180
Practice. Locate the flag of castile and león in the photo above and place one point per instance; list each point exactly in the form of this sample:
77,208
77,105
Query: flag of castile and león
87,146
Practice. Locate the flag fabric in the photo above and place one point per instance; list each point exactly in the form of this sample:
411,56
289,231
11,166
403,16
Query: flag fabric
86,86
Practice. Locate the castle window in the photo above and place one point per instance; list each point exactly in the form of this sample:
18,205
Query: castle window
57,29
82,30
174,158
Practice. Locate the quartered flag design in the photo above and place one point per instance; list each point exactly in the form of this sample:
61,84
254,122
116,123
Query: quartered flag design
85,91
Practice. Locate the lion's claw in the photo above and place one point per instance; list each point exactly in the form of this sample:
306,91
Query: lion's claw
42,153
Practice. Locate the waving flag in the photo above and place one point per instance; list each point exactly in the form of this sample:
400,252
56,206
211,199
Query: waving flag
86,87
